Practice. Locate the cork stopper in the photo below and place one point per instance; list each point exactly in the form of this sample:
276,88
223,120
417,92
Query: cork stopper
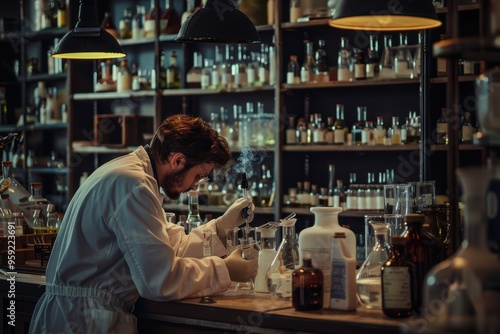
414,218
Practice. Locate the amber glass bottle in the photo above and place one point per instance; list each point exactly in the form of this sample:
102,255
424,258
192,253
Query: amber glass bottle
398,282
307,286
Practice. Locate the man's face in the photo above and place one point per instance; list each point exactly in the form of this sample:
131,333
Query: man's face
182,181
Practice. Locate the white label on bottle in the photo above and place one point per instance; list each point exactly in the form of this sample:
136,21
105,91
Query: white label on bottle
338,277
290,136
339,136
359,71
441,66
352,202
193,78
343,74
370,71
365,136
468,67
336,201
214,77
396,287
240,79
290,78
149,28
205,81
329,137
250,76
305,75
262,75
466,133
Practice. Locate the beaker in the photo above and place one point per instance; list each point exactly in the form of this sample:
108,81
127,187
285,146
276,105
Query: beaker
248,252
279,275
267,253
368,277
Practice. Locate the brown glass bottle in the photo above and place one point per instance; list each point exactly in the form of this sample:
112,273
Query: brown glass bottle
172,21
307,286
398,282
422,249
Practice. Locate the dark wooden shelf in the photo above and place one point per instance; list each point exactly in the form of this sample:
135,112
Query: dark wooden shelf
359,83
462,78
461,8
348,148
46,77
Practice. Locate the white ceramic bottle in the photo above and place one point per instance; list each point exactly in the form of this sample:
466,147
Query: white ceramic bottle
317,240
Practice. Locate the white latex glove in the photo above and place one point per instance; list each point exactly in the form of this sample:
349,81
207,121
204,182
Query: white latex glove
233,217
241,270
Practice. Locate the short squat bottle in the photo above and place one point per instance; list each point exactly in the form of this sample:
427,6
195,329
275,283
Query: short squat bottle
307,286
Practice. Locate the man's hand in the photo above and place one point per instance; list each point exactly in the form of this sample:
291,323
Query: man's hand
241,270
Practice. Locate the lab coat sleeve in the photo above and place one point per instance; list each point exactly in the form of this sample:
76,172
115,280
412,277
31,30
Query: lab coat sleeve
140,227
191,245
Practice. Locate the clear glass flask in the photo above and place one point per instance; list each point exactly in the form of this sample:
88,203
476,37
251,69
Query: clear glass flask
279,275
368,277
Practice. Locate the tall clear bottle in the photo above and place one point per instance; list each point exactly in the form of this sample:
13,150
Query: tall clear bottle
308,69
279,274
172,21
403,59
339,126
152,15
344,70
138,22
173,73
193,219
357,128
193,77
293,71
124,78
372,58
387,60
321,59
239,69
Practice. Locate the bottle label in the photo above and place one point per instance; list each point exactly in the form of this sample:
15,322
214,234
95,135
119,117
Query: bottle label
250,76
338,288
441,66
370,71
396,288
262,75
343,74
466,133
360,71
290,78
205,81
149,28
215,78
339,136
305,75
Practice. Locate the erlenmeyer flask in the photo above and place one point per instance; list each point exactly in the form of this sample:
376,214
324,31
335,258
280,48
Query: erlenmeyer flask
403,61
279,274
368,277
387,60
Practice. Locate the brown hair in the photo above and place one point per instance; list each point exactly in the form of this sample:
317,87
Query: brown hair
194,138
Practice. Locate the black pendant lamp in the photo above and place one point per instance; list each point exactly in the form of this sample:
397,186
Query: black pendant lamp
218,22
88,40
385,15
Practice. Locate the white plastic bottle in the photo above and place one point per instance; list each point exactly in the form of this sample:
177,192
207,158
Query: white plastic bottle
317,240
343,275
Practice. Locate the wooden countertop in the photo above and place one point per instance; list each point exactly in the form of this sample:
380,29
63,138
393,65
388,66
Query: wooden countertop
260,313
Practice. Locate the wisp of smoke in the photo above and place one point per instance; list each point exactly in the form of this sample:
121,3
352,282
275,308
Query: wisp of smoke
248,158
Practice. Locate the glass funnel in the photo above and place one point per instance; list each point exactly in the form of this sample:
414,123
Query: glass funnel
279,274
368,277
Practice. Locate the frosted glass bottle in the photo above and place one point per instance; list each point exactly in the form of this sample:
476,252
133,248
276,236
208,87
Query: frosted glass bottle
465,287
317,240
343,272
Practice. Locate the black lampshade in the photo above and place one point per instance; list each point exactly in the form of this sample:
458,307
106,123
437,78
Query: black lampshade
218,22
88,40
385,15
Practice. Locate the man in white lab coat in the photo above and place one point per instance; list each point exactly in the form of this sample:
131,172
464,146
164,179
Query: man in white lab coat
115,244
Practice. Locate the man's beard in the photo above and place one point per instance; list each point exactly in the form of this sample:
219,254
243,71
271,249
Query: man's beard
172,183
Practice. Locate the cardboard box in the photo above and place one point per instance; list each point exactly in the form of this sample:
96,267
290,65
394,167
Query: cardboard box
121,130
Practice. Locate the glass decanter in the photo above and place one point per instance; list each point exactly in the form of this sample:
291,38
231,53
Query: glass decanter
461,294
368,277
279,274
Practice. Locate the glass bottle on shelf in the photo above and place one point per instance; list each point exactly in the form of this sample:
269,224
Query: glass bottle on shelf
188,12
467,129
152,15
417,58
398,282
359,65
372,58
331,184
216,72
395,131
344,72
279,274
290,138
108,25
193,219
206,73
138,22
295,12
226,68
387,61
307,286
357,128
239,69
322,69
403,59
124,78
172,21
293,71
308,68
193,77
368,277
125,24
173,72
441,62
442,128
339,127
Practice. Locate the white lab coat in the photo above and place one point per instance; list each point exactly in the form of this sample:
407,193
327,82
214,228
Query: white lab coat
115,245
